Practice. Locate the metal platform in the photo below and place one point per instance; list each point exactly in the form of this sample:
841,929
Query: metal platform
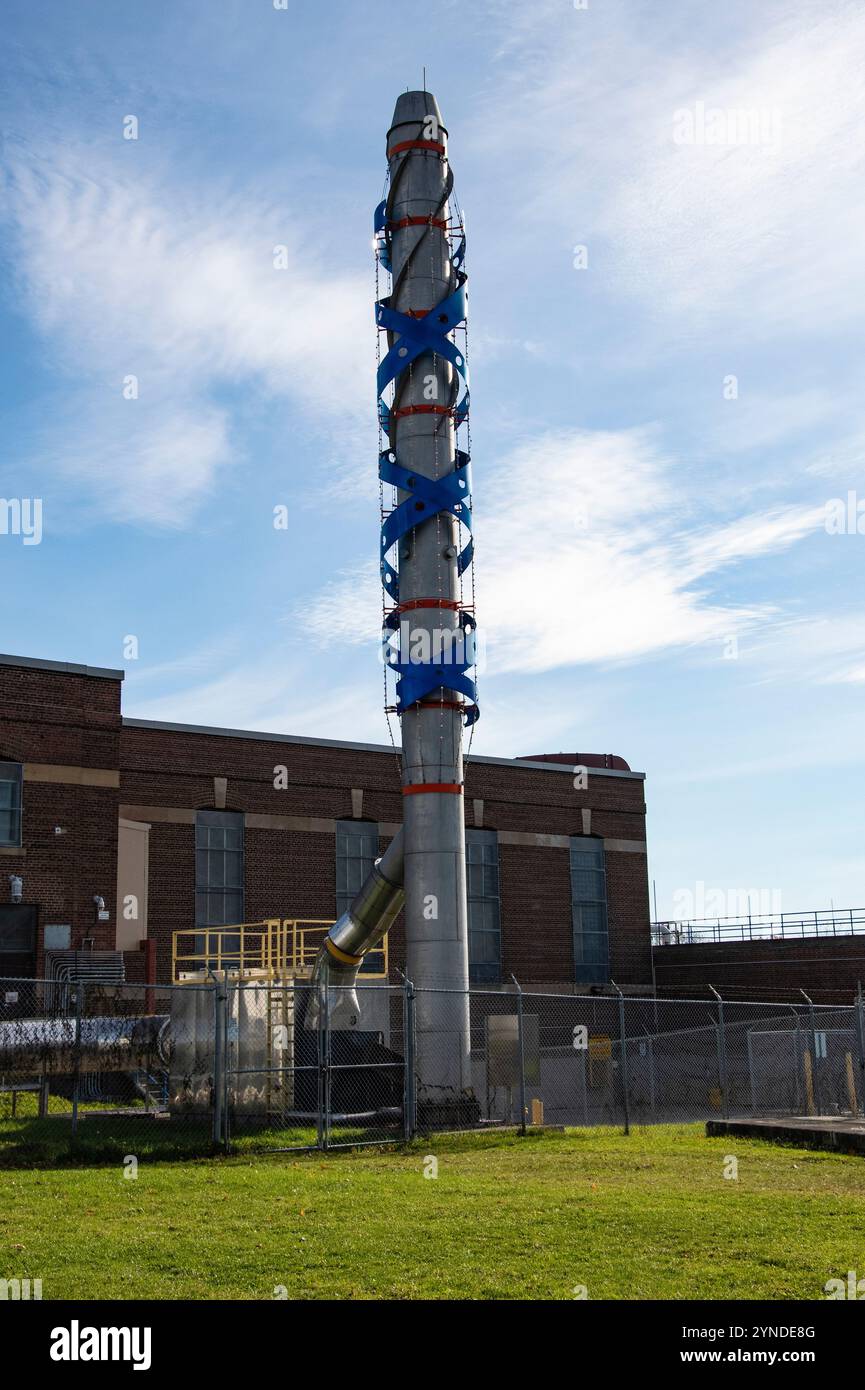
845,1134
281,949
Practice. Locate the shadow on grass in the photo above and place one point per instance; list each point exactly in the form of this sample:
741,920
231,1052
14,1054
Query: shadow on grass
30,1141
50,1143
33,1142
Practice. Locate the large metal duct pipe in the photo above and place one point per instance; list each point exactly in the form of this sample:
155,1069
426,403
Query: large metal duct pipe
372,913
59,1045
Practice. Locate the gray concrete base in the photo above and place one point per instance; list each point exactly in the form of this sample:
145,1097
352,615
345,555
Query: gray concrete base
845,1135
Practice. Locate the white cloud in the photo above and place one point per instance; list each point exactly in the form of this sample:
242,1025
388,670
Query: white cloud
758,419
145,460
710,548
769,234
586,556
842,459
126,274
518,720
825,650
854,675
264,699
270,697
346,610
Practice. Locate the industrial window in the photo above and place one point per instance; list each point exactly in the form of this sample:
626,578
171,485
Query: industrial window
10,805
485,928
356,852
219,898
589,911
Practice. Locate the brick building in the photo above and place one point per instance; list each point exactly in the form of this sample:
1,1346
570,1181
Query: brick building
202,826
830,969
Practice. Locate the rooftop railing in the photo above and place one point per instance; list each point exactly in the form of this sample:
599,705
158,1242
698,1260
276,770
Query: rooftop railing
779,926
277,949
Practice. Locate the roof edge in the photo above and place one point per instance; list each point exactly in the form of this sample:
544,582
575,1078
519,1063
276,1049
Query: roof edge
68,668
211,731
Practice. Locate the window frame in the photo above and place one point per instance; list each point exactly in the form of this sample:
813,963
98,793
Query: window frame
591,944
346,831
483,904
232,885
16,807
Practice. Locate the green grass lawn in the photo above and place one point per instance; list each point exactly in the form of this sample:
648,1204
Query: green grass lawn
649,1216
104,1136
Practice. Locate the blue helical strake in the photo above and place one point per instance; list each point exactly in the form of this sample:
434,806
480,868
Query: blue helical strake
427,334
379,223
417,679
427,497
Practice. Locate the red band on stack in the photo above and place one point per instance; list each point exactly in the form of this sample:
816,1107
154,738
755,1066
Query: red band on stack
422,410
415,788
451,603
420,222
415,145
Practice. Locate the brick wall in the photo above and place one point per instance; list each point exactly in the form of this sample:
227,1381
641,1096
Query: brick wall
70,719
63,725
292,872
828,968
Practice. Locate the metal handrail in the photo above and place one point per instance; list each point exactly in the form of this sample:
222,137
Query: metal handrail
778,926
277,948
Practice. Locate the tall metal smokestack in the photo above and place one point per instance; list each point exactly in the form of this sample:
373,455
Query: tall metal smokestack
421,569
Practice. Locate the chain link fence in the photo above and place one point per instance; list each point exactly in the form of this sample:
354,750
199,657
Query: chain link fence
90,1070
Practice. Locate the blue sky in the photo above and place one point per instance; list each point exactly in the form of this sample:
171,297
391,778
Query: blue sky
634,512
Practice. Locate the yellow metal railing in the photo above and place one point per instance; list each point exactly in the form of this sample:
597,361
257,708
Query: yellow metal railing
279,948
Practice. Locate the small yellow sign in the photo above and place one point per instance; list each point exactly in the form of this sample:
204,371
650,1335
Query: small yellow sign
600,1047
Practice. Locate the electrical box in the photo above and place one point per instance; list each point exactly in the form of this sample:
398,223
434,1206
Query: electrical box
58,937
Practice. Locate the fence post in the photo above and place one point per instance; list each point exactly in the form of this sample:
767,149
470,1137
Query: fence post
323,1043
226,1070
623,1045
409,1112
76,1088
815,1070
220,1136
521,1045
722,1056
798,1058
859,1008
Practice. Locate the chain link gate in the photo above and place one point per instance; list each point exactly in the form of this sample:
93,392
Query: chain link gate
290,1080
815,1070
